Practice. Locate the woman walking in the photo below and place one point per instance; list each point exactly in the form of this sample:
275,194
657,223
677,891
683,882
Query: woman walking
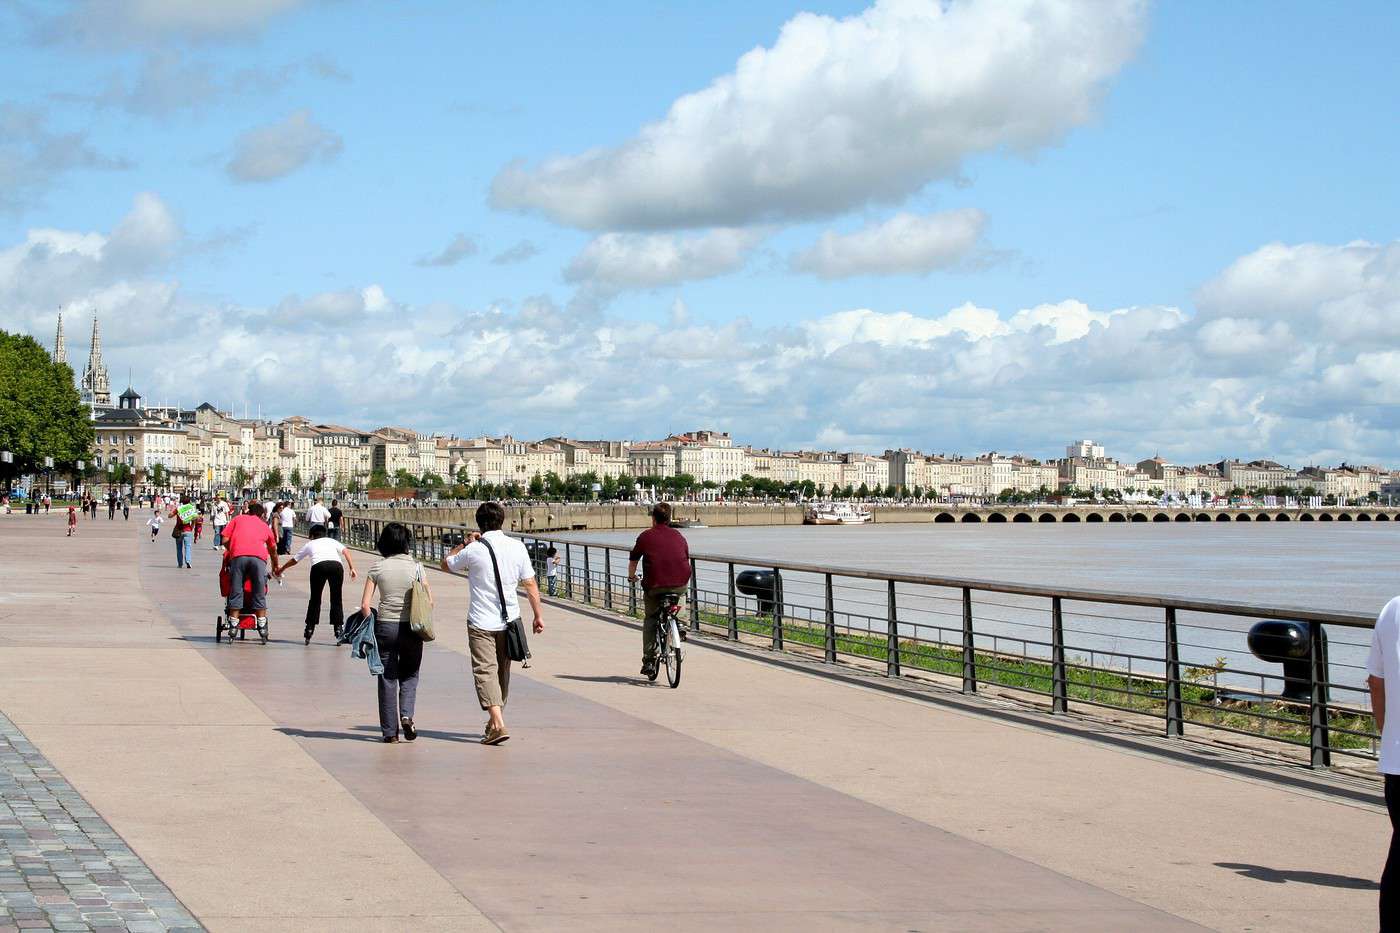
325,555
496,566
399,649
183,533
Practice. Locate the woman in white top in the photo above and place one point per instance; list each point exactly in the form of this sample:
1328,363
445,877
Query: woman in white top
325,555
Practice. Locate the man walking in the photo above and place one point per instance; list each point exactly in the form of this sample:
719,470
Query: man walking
665,558
336,517
1383,666
496,566
318,514
220,520
288,519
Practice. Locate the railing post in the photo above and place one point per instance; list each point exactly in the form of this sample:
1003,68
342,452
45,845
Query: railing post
694,597
777,609
587,577
1059,702
607,578
1319,740
969,658
1176,724
733,607
891,635
830,639
568,572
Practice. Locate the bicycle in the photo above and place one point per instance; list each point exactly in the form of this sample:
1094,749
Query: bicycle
668,641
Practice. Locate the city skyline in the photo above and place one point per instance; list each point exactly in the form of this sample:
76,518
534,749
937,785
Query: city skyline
819,223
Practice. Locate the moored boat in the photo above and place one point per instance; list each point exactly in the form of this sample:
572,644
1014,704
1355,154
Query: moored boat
837,513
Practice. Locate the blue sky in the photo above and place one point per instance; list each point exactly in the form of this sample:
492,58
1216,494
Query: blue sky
374,135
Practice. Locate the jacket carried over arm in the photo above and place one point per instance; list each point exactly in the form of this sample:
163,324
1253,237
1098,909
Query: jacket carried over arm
358,633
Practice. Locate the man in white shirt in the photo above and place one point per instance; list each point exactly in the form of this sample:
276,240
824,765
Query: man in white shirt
221,511
487,617
325,555
1383,666
289,522
318,514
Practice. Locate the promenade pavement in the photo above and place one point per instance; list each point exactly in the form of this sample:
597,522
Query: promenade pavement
250,782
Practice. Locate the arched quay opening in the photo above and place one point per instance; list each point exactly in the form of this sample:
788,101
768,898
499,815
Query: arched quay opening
1071,517
1048,517
996,517
1094,517
972,517
1021,517
943,518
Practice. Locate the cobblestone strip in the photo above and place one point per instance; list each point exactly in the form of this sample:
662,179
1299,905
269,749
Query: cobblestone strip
61,866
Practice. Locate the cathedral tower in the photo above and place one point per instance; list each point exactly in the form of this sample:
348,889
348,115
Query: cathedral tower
95,388
60,349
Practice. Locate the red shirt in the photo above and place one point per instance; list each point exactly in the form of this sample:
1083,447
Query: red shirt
246,536
665,557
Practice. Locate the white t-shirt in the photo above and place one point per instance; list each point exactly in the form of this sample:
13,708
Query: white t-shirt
551,566
320,549
1384,662
475,562
221,513
289,518
318,514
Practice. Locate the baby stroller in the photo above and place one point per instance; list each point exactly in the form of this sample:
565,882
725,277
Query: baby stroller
246,619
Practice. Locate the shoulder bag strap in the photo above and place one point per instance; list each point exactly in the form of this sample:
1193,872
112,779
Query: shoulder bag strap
500,591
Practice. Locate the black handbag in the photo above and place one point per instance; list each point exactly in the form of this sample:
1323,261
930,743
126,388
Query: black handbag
517,646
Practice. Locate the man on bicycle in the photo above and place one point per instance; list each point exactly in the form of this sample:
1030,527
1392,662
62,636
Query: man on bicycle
665,558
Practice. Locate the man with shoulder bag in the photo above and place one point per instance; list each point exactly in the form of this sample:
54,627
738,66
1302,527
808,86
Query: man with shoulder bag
496,566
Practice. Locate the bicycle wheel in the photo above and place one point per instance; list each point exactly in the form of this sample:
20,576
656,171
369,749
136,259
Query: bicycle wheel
673,666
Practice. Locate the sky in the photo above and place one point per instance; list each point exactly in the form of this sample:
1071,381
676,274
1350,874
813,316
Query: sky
958,227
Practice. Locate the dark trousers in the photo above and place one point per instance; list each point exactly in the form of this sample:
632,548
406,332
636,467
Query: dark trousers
284,545
325,572
402,654
1390,878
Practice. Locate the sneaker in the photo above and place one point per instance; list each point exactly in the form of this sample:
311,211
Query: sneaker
406,727
649,669
494,736
391,739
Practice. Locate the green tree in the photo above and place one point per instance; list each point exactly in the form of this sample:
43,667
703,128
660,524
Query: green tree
863,492
609,487
536,486
241,479
295,478
159,477
431,480
626,487
272,480
404,478
41,414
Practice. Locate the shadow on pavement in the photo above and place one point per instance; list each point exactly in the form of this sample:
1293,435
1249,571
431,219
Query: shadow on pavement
1283,876
432,734
321,734
612,679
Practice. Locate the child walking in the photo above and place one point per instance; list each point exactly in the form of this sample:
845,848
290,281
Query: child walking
72,520
154,521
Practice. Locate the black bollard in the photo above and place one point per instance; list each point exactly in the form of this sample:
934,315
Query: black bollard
761,586
1286,643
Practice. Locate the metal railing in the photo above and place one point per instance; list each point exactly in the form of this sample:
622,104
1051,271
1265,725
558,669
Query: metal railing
1182,661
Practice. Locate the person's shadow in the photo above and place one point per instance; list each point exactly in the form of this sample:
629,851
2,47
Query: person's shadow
612,679
1283,876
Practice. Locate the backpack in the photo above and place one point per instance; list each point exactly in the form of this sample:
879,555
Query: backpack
419,609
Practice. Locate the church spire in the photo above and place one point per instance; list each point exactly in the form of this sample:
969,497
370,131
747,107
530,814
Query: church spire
60,349
96,389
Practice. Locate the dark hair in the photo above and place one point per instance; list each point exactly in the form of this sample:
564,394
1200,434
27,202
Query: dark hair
317,531
490,516
255,508
184,498
553,551
335,502
661,513
394,539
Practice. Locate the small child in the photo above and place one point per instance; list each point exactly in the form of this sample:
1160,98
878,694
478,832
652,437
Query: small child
154,521
198,526
551,569
72,520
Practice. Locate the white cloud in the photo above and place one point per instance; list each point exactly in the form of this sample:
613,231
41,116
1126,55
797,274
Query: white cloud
1140,378
273,151
839,113
461,247
616,262
906,244
109,22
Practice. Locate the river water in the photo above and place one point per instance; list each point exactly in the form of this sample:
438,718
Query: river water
1345,567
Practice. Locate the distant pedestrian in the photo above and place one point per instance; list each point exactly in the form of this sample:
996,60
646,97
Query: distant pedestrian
318,514
126,509
154,523
220,517
400,650
288,519
72,521
552,560
183,533
111,508
325,555
496,566
336,517
1383,667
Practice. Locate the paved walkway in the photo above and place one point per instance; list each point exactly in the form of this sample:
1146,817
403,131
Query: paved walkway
251,780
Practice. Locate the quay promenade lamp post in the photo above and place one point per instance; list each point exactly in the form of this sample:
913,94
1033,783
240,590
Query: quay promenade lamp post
8,460
76,490
48,477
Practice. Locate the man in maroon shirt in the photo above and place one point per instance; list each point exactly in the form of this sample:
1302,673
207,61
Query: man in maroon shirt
665,558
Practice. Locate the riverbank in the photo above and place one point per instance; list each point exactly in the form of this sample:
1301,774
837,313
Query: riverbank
561,516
